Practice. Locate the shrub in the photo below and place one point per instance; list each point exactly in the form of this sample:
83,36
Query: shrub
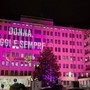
17,86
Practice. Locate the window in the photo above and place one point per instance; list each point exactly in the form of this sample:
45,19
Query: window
29,73
16,73
7,63
9,36
62,34
37,31
58,41
25,73
29,64
58,33
51,40
12,63
47,32
0,27
66,35
64,74
71,66
66,49
63,49
80,36
2,72
21,73
59,57
63,65
37,39
26,38
16,63
58,49
67,66
81,66
12,73
55,33
4,36
6,72
78,66
5,27
51,33
55,41
44,40
23,38
44,32
21,63
3,63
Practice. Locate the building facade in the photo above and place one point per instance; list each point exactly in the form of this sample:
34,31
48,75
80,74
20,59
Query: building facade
22,41
85,79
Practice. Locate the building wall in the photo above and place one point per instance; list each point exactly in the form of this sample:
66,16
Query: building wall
67,44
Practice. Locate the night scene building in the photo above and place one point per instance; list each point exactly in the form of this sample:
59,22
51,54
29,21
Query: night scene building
85,79
21,42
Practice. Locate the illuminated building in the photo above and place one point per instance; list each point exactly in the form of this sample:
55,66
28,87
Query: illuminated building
21,42
85,79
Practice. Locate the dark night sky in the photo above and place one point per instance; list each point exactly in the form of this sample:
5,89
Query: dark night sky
74,13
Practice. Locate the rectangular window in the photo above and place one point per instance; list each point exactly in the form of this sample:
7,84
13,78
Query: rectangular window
63,65
66,35
63,49
55,33
62,34
9,36
37,32
47,40
37,39
5,27
44,40
66,49
0,27
59,57
26,38
58,41
58,33
6,72
55,49
4,36
58,49
2,72
80,36
47,32
55,41
51,33
44,32
51,41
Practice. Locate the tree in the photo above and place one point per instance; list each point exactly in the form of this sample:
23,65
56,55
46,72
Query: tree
48,70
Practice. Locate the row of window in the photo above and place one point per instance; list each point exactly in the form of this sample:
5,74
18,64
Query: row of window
72,66
15,73
13,63
68,50
71,74
64,42
69,58
70,35
19,55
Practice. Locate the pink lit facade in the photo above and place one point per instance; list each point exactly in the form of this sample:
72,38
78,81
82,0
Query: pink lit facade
85,80
22,41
